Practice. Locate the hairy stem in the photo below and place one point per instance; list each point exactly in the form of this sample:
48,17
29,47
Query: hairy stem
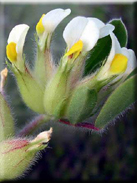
33,125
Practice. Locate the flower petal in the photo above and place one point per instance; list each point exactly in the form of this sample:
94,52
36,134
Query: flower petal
117,44
132,62
81,28
90,36
125,52
21,41
17,35
130,66
112,51
74,30
105,31
53,18
104,72
98,22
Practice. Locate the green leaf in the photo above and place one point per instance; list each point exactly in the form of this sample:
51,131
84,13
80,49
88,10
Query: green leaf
81,105
121,99
100,52
120,31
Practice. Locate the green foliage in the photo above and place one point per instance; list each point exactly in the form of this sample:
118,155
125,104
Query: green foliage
121,99
120,31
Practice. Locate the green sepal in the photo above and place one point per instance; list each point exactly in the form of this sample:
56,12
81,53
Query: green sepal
60,109
81,104
44,66
31,91
6,120
55,92
120,100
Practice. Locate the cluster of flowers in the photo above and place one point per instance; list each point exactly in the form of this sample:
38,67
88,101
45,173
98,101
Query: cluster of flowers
60,92
57,90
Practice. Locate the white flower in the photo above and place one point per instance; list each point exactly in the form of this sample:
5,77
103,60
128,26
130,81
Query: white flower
120,62
48,23
16,41
104,30
84,33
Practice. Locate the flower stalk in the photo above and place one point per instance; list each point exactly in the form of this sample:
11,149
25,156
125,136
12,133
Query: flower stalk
34,125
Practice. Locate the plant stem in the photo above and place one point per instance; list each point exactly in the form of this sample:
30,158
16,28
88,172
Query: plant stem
33,125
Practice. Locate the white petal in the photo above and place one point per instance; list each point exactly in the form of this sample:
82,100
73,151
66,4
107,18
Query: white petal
89,36
104,72
98,22
117,44
53,18
16,32
112,51
21,41
17,35
81,28
125,52
105,31
132,62
74,30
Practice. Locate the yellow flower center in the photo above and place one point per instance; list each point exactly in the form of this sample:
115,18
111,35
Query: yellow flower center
119,64
11,52
75,49
39,27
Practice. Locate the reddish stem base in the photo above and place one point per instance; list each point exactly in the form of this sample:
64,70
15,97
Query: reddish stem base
83,125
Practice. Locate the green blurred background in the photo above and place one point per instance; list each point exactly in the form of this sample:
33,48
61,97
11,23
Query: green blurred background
73,154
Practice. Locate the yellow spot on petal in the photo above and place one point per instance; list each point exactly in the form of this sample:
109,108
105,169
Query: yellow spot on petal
11,52
119,64
39,27
75,49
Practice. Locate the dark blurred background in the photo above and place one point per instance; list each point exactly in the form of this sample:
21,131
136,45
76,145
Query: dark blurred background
73,154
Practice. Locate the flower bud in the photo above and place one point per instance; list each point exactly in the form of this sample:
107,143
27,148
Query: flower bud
17,154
